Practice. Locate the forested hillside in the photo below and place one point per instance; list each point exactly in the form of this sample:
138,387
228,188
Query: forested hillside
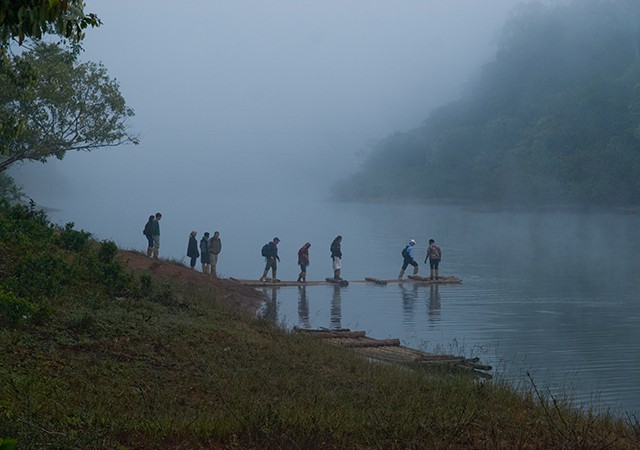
554,119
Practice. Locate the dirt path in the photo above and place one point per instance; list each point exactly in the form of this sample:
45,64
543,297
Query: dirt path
226,291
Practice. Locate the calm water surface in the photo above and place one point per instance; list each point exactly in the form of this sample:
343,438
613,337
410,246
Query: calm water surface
551,294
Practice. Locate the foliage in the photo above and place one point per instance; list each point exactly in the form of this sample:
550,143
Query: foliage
22,19
13,309
555,119
51,103
70,239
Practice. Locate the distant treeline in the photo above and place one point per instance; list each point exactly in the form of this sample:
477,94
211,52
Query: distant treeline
554,119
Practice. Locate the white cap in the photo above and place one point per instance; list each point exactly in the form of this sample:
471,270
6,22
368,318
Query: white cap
412,242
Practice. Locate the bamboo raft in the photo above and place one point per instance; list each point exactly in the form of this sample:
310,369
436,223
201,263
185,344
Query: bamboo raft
390,351
343,283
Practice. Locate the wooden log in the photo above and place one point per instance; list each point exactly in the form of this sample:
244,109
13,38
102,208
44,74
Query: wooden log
374,343
332,334
338,282
419,278
376,280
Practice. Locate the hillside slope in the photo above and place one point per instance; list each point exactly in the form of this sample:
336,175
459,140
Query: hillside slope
554,119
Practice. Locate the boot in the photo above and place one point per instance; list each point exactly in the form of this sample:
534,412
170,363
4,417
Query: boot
275,279
433,274
213,271
264,276
155,252
436,274
415,270
300,277
336,274
149,251
400,275
304,277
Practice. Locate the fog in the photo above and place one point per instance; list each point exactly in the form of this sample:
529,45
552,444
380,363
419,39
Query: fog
271,100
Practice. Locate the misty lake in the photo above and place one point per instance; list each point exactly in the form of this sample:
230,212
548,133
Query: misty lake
554,294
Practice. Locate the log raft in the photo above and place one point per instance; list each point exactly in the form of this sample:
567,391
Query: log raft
390,350
368,280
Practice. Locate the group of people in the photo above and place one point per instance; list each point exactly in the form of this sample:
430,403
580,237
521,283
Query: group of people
434,255
210,247
208,250
270,252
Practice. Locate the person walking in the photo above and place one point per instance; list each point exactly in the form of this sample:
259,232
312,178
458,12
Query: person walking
434,255
407,254
155,232
215,246
204,253
336,257
303,262
192,249
270,252
148,233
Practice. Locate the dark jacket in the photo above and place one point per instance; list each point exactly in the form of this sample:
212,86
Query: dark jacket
272,251
335,248
192,248
148,228
204,251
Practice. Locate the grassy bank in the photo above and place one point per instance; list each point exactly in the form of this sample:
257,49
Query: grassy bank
96,352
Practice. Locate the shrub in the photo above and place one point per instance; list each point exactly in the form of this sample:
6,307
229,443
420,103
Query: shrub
13,309
70,239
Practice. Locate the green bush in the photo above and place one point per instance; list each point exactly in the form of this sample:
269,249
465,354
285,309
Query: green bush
70,239
13,309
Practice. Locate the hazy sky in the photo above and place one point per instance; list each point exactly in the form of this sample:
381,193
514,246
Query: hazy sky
309,83
260,99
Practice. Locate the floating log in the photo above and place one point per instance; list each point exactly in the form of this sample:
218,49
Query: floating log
327,334
389,350
439,280
373,343
339,282
376,280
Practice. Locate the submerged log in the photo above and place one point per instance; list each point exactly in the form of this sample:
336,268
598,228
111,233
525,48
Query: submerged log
376,280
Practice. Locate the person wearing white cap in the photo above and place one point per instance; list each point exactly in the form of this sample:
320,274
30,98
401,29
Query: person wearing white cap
407,255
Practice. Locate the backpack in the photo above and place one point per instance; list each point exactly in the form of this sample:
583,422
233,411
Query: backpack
405,253
265,249
147,229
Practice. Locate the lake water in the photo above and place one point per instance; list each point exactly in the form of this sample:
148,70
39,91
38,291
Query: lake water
553,294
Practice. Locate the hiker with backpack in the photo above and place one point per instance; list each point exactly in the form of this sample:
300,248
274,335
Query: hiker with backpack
303,262
434,254
407,255
270,252
148,233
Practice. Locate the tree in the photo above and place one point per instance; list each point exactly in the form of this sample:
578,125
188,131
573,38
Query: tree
54,104
21,19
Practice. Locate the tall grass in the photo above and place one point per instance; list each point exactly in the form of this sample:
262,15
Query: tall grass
92,356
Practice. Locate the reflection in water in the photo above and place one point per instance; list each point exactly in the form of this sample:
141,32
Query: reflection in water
409,297
303,307
433,307
336,308
270,307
